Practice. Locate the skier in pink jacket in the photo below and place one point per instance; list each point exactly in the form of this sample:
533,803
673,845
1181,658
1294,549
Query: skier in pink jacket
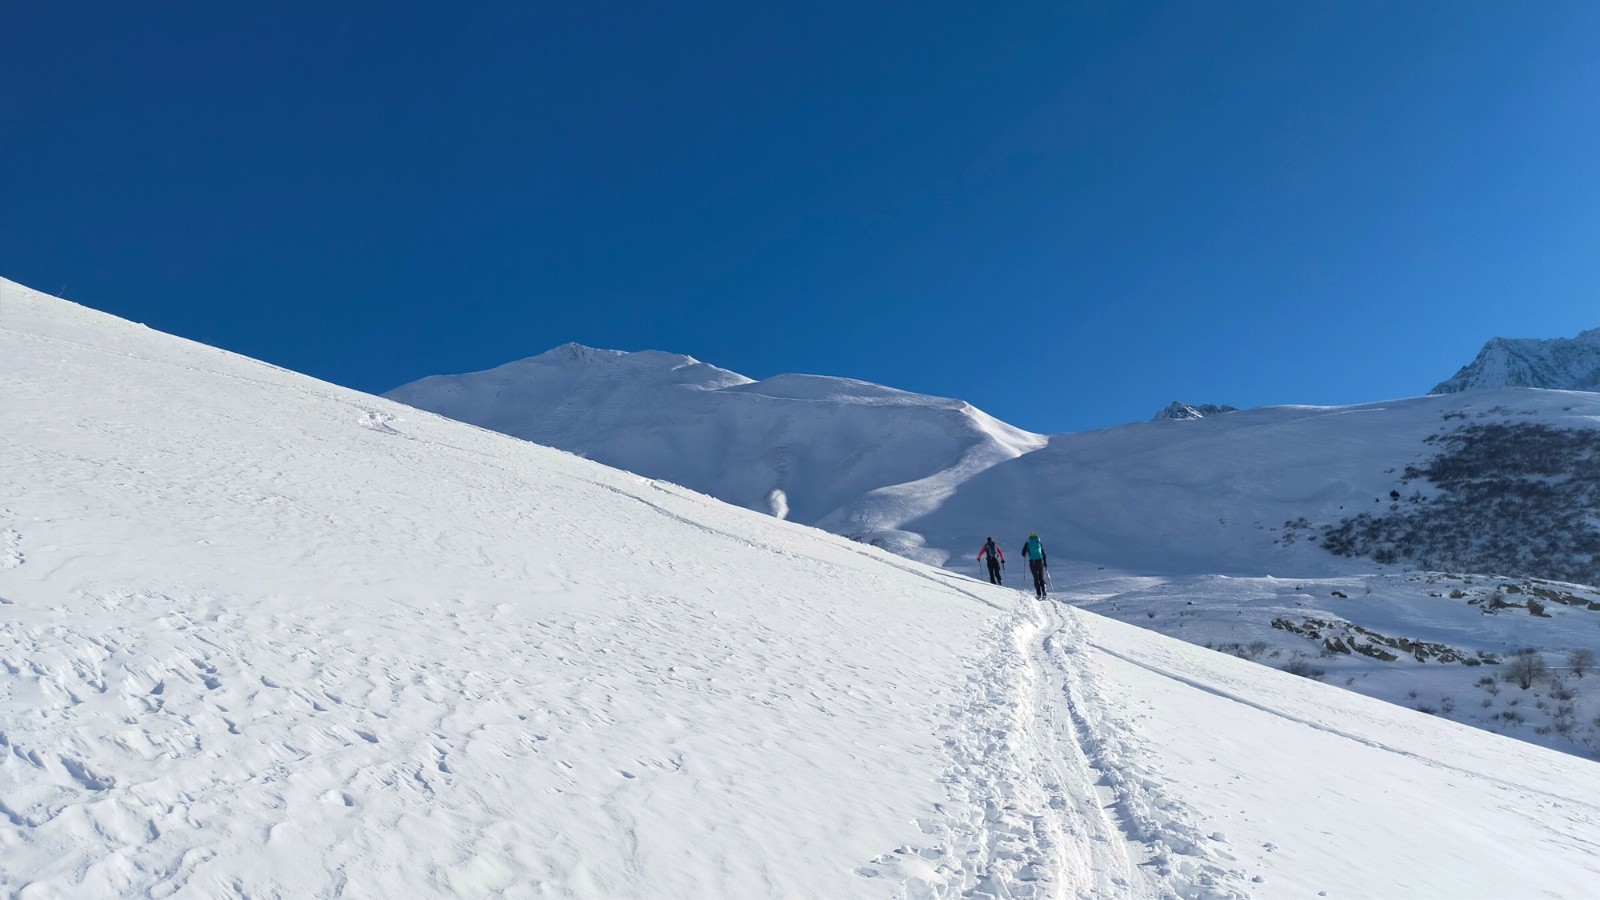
997,558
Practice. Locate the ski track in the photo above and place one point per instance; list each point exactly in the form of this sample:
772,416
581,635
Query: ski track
1184,860
1050,797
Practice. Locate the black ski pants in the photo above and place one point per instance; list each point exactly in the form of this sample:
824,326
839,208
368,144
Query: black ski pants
994,570
1037,567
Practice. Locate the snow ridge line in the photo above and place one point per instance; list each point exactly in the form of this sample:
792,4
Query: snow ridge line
1187,863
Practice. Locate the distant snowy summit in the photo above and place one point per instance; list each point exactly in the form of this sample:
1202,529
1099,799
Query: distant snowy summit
1176,410
1568,364
850,456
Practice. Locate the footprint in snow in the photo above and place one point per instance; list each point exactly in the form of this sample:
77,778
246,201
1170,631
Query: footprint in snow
11,549
377,421
83,776
338,798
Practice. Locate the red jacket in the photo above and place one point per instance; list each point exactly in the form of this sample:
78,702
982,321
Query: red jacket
996,549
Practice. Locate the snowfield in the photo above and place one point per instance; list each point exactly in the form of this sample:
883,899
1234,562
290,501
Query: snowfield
1205,525
264,636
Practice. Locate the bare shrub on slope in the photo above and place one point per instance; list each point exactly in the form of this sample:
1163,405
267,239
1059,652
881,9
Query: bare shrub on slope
1525,667
1515,498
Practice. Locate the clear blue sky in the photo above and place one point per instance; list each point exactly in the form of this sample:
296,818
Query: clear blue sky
1066,213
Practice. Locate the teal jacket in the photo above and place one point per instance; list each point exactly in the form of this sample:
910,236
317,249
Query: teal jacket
1032,549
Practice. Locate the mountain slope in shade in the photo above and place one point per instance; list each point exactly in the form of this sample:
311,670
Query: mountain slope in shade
1567,364
847,455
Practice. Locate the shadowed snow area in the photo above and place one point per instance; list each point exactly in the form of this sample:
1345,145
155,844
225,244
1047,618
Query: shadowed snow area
261,635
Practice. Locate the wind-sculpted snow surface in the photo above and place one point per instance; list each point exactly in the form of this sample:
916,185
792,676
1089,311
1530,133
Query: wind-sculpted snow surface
262,636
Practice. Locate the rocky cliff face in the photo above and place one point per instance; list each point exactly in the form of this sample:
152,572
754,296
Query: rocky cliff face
1176,410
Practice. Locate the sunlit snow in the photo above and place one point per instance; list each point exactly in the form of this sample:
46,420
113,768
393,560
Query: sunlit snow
261,635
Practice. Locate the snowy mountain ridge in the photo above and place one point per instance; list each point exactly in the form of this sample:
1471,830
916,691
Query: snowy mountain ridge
1568,364
838,453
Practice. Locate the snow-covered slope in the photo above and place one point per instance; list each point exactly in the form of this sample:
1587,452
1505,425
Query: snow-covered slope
1218,531
850,456
1388,502
1247,493
1227,494
1569,364
260,635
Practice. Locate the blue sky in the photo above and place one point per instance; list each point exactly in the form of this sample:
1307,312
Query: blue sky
1066,213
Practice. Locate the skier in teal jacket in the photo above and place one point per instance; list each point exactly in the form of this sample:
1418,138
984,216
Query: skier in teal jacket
1033,552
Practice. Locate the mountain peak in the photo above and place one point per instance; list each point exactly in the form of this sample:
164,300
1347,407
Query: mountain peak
1568,364
576,352
1183,411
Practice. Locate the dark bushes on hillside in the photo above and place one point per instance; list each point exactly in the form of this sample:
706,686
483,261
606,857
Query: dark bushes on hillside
1511,498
